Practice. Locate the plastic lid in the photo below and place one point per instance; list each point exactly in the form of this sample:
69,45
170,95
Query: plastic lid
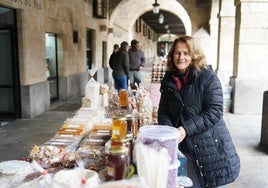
158,132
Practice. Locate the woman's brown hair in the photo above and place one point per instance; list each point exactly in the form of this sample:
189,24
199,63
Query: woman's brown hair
196,52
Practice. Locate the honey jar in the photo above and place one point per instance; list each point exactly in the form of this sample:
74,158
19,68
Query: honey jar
119,128
123,98
132,126
117,162
127,142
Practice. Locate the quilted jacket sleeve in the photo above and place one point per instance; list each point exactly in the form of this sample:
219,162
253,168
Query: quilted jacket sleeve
212,102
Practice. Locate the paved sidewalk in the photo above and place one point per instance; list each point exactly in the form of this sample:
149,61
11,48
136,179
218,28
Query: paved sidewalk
245,131
18,137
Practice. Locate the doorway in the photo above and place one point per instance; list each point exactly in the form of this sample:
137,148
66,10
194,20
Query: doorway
10,107
52,66
89,48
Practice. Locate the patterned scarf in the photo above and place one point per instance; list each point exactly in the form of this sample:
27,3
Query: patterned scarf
180,80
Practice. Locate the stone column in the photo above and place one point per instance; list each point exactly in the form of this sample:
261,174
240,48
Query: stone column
214,26
250,78
264,128
226,40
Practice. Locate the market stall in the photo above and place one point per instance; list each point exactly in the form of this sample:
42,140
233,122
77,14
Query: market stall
110,142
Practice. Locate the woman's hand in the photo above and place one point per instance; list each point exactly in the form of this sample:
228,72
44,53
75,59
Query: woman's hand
182,133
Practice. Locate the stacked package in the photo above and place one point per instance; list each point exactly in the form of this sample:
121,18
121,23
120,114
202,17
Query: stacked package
158,71
92,146
92,94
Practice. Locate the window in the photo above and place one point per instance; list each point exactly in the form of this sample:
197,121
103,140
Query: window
89,48
144,29
149,33
100,8
138,25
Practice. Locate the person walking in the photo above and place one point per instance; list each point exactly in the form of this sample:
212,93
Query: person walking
136,62
192,101
120,66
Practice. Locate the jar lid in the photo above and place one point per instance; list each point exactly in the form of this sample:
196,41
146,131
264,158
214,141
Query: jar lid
118,149
132,117
119,117
162,132
122,140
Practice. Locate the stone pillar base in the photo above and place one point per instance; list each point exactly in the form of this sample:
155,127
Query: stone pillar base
248,95
34,99
72,86
264,128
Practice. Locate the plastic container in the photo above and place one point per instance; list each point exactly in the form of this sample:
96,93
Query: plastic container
172,175
159,137
72,178
93,93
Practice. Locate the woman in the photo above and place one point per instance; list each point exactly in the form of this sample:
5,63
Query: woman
120,66
192,101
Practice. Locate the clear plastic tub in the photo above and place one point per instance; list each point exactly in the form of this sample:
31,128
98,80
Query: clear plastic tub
159,137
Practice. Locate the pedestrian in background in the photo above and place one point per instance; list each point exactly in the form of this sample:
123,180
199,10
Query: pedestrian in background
136,62
116,48
192,101
120,66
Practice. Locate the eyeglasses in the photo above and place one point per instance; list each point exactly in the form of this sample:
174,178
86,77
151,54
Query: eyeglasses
178,54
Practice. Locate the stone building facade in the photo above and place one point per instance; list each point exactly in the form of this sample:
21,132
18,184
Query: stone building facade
233,34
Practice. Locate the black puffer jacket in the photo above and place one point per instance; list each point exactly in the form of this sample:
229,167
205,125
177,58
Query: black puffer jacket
198,107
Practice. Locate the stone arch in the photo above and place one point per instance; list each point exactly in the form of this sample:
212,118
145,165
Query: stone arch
126,13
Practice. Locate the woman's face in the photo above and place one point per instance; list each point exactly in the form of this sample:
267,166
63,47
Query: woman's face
182,57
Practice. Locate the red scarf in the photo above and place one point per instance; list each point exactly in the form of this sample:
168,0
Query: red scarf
178,81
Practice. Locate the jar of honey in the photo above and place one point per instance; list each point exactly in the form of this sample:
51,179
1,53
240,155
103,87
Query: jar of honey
123,98
119,128
132,125
127,142
117,162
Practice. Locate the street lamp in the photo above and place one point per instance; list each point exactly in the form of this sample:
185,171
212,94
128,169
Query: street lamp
161,19
166,26
155,7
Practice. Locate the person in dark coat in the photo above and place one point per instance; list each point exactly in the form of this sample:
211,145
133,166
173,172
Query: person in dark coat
116,48
120,66
192,101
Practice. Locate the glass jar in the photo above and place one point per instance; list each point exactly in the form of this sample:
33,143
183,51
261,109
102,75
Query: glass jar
119,128
117,162
123,98
132,125
127,142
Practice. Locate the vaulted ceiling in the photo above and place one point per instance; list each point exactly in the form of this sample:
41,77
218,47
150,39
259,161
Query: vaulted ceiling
175,25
